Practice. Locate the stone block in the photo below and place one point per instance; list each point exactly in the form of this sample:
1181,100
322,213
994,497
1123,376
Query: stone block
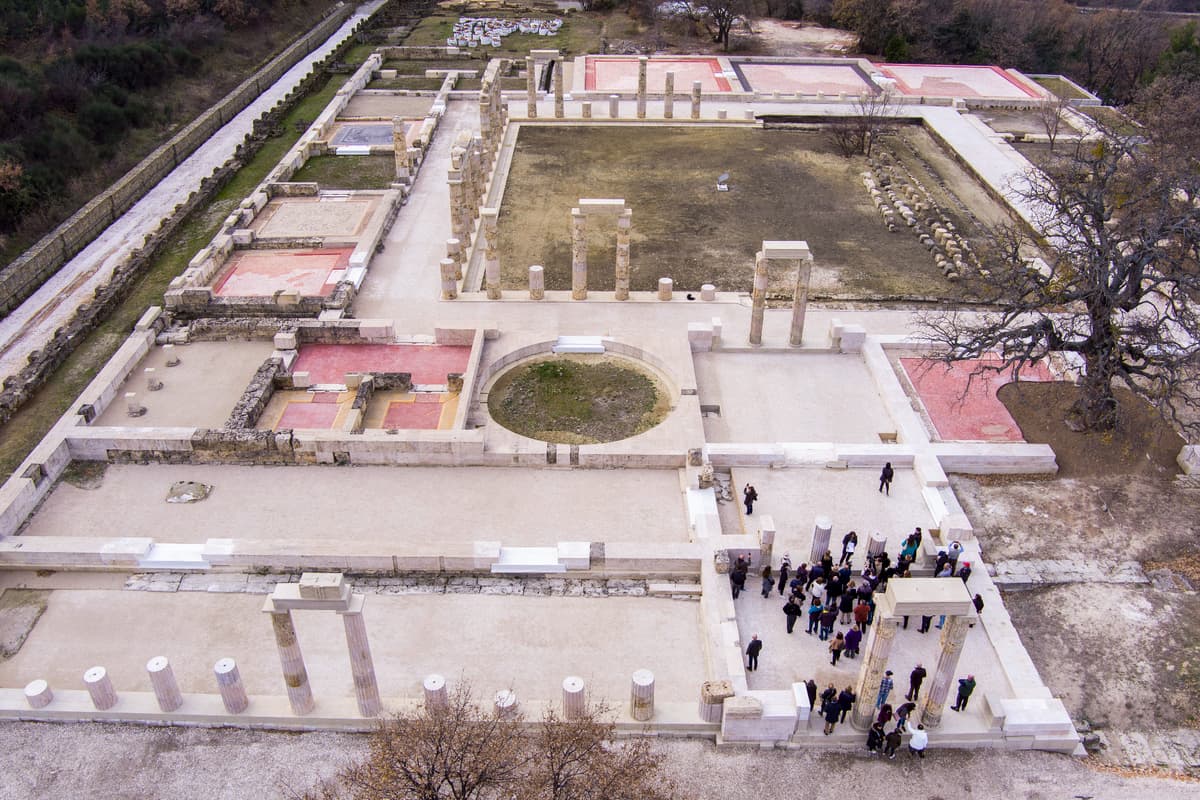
575,555
700,337
301,380
786,250
286,340
852,338
322,585
602,205
1189,459
778,720
741,720
800,700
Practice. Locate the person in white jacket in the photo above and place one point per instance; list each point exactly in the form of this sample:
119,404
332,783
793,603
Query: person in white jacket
918,742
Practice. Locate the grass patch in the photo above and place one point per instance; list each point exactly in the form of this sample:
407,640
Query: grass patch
36,417
349,172
578,400
411,83
19,612
1060,88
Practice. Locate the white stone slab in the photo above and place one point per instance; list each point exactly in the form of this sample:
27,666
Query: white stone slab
174,556
579,344
532,560
786,250
575,555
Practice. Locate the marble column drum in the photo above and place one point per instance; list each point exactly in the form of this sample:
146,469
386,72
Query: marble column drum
291,659
758,297
878,649
362,667
624,229
954,635
579,246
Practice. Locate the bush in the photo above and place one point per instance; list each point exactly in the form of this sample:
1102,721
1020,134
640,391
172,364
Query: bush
103,121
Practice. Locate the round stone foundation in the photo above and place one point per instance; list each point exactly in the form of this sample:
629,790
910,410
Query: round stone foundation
578,398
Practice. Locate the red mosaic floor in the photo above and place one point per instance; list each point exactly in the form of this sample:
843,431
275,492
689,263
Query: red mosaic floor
261,273
413,416
944,80
621,75
329,363
978,416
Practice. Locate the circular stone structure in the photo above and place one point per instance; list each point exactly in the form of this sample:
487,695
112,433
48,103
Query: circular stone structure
578,398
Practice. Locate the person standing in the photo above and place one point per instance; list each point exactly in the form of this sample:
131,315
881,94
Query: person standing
918,742
749,495
846,606
915,678
737,580
828,698
752,651
885,478
891,742
853,640
768,581
861,612
846,702
835,649
885,688
849,544
925,620
828,618
875,738
793,611
810,686
965,687
785,568
832,712
814,615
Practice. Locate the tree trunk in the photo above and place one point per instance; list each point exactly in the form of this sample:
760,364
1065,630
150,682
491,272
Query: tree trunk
1096,408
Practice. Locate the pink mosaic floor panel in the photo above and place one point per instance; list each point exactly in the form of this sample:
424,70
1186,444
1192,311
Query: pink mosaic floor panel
940,80
309,416
977,416
329,363
832,79
261,273
621,75
413,416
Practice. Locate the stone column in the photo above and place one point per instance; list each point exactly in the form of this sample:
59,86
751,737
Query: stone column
666,289
579,246
585,109
454,252
491,258
530,87
879,647
436,695
229,684
877,545
800,300
822,529
449,285
574,705
643,62
624,228
758,297
954,634
400,146
708,292
558,91
166,688
614,105
537,282
641,695
100,687
38,694
295,676
712,699
669,96
362,667
695,99
766,537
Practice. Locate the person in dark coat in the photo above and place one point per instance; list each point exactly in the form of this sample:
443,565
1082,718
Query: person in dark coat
737,580
793,611
814,615
846,702
810,686
752,651
849,545
891,742
965,687
831,716
785,569
885,478
846,606
828,696
768,581
875,738
853,641
828,618
749,495
915,678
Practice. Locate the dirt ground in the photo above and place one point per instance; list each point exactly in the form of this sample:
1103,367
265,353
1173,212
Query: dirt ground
782,38
137,763
785,184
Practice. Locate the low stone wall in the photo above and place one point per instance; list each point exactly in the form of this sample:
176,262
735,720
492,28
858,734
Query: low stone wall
256,396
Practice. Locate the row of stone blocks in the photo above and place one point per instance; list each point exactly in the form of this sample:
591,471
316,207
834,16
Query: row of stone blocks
39,695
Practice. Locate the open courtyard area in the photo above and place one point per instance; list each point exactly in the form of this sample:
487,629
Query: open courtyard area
581,378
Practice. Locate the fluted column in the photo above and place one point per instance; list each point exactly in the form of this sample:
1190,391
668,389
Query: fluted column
100,687
366,687
822,530
166,688
229,684
800,299
879,647
448,268
295,676
400,146
491,257
695,99
574,705
436,695
579,246
641,695
643,62
558,91
537,282
758,298
669,96
531,87
954,634
624,229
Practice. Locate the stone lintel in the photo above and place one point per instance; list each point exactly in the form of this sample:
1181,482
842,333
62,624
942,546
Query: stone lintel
926,596
592,205
355,606
785,250
286,597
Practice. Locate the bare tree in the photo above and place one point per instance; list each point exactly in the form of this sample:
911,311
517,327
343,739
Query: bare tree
462,752
1050,113
721,16
1118,291
874,115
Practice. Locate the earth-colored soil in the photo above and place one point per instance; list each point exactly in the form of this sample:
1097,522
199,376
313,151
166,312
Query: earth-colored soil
349,172
19,612
577,400
785,184
1142,444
